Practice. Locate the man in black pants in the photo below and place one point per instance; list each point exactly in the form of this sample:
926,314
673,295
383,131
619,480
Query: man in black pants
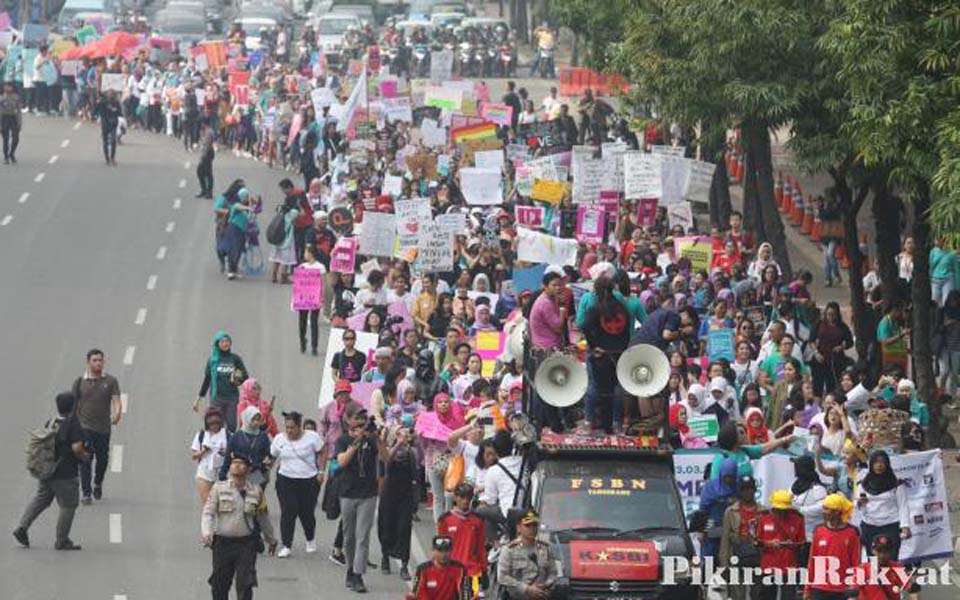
109,111
205,168
99,408
11,120
191,117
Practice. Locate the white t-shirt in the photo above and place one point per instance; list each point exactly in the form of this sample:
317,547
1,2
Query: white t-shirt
209,464
298,458
498,487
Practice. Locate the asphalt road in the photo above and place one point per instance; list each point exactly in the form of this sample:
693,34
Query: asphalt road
83,244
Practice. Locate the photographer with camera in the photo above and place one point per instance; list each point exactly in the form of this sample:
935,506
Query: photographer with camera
358,452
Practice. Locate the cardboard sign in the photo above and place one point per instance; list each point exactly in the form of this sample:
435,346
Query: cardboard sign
423,165
488,159
501,114
112,81
376,238
435,253
530,216
441,65
307,289
433,134
545,135
699,249
397,109
641,175
536,247
469,149
343,256
647,212
590,224
549,191
481,187
412,216
34,34
680,215
588,181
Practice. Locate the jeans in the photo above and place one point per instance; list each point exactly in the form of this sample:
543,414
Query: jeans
109,143
312,316
442,502
66,492
831,266
205,175
11,135
940,289
298,500
100,443
357,517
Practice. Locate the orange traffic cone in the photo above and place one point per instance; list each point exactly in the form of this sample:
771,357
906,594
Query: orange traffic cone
807,226
739,166
787,195
796,214
815,231
778,189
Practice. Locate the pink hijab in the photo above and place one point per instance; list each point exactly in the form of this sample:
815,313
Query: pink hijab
248,397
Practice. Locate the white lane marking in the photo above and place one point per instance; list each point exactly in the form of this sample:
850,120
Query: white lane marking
151,282
116,458
64,143
161,253
116,528
124,401
23,197
176,203
54,159
170,226
128,355
76,125
6,220
186,165
182,184
141,317
39,177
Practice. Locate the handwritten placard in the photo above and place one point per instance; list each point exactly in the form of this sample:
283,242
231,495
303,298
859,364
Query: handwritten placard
435,252
343,256
307,289
641,175
451,223
590,224
376,237
481,187
549,191
530,216
647,212
411,215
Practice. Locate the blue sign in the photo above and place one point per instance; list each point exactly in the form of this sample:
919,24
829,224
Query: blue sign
721,344
528,279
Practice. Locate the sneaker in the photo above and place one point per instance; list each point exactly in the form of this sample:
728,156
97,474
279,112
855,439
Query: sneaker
284,552
87,499
405,572
21,536
350,581
67,545
338,558
311,546
358,585
98,492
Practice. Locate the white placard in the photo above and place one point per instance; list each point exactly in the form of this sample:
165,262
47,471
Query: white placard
435,253
481,187
669,150
433,134
377,234
488,159
412,216
613,165
397,109
674,174
680,214
112,81
366,343
641,175
441,65
322,98
393,185
536,247
699,181
588,180
455,223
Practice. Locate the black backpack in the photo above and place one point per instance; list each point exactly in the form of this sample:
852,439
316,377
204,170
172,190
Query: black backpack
277,229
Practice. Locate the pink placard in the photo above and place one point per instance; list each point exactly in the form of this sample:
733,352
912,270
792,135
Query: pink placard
609,201
307,289
4,21
428,426
530,216
647,212
590,224
388,88
362,392
343,257
501,114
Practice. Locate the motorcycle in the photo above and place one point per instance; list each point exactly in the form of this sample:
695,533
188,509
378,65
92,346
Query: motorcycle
545,62
490,60
506,67
466,59
421,60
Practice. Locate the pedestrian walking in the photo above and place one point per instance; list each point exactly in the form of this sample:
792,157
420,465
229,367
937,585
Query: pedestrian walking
298,453
235,525
98,408
208,449
62,483
222,376
357,454
205,166
109,111
466,529
441,578
11,121
398,503
283,255
251,441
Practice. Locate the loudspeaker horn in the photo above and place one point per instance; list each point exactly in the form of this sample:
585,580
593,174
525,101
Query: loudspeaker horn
561,380
643,370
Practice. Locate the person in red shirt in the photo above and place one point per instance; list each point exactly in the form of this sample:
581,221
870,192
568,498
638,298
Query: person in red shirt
466,529
886,579
780,534
834,539
441,578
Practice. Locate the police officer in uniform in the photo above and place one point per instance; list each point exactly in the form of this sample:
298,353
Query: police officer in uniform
235,524
441,578
527,569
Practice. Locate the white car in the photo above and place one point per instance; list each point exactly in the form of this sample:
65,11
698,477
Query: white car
331,29
252,27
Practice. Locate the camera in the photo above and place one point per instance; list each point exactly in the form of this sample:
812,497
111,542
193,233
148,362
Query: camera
371,426
485,421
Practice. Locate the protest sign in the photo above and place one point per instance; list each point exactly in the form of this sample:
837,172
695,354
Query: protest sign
699,180
488,159
397,109
343,256
641,175
612,180
451,223
536,247
362,392
366,343
721,344
412,216
307,289
699,249
706,427
549,191
647,212
435,253
112,81
481,187
590,224
425,112
524,181
443,165
501,114
469,149
5,22
441,65
674,172
428,426
34,34
389,87
517,152
478,131
433,134
588,177
530,216
530,278
393,185
378,233
322,98
680,215
489,346
678,151
443,97
548,135
458,121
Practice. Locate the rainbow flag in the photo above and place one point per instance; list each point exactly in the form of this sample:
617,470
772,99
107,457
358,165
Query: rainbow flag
473,132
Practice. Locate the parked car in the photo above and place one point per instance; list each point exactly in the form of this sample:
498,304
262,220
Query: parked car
181,26
331,29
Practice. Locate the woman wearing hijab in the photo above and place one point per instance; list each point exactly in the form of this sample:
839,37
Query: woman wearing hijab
386,396
762,261
234,240
808,494
436,452
883,504
757,432
222,376
482,320
678,423
399,497
208,449
250,396
718,494
250,441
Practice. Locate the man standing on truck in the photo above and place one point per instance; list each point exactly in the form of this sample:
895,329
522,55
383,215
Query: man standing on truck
527,568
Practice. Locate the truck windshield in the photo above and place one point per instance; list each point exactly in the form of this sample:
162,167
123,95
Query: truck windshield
612,504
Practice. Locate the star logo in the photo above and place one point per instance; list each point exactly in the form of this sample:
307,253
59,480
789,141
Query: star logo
602,555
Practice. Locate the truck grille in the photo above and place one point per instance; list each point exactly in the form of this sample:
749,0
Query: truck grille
587,588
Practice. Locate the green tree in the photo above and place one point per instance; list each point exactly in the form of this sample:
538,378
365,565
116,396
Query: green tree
598,24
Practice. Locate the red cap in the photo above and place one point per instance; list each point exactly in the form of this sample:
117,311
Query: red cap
342,386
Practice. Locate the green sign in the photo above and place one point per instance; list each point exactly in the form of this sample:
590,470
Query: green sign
705,427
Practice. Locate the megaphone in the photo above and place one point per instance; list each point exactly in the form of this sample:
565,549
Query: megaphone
561,380
643,370
515,341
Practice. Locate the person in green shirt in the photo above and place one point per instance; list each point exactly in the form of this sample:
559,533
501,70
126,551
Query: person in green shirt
732,443
943,263
773,364
234,240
